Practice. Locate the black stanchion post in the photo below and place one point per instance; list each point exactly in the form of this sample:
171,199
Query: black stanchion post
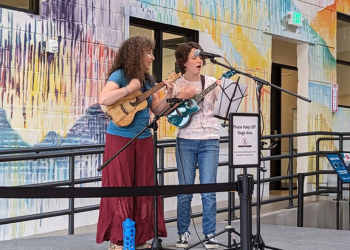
71,200
245,191
291,172
341,149
233,196
229,212
317,165
339,183
300,219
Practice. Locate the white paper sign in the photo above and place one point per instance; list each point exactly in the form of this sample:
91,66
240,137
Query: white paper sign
245,138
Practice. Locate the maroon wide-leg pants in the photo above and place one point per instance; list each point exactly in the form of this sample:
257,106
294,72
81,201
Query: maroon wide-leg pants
132,167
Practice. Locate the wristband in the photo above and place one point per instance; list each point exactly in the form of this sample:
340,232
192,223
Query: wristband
127,91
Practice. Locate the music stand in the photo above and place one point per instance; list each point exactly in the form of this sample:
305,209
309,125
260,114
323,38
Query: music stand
229,99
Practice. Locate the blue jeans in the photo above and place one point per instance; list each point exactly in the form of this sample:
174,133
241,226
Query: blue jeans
188,153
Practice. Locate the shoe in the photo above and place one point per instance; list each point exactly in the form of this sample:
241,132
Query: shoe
143,246
182,241
211,243
113,246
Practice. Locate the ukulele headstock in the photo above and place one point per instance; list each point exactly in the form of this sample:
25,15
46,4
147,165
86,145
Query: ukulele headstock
173,76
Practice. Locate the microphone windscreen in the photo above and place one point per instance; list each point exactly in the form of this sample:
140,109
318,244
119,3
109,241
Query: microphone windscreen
197,52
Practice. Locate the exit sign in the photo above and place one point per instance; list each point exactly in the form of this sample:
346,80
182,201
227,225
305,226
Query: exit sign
295,19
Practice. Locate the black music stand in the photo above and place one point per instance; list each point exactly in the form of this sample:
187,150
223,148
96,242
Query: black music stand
229,98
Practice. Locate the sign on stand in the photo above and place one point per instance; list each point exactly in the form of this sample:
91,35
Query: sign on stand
244,140
342,169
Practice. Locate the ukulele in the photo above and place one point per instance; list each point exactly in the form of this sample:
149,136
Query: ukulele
123,111
183,113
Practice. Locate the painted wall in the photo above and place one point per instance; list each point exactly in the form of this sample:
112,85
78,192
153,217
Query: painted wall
51,99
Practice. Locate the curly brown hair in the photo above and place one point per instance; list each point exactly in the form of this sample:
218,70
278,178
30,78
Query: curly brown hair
182,52
130,58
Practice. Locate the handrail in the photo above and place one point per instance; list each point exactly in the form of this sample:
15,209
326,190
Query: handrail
72,151
45,149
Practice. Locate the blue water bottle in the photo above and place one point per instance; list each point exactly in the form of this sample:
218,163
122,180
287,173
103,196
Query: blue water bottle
129,234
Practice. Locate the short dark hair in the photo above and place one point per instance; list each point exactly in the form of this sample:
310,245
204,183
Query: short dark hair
182,52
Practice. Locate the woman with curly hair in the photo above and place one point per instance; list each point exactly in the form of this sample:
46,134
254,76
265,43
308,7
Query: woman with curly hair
134,165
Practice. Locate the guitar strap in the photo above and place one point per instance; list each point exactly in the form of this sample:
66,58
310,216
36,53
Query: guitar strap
203,81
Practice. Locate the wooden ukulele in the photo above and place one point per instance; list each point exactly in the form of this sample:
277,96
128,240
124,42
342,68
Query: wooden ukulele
122,112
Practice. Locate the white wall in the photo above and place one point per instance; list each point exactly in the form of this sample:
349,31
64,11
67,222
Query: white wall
284,52
288,104
302,111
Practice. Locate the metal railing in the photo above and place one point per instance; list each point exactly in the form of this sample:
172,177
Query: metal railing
72,151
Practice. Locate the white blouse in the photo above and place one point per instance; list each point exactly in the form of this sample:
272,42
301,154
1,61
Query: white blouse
203,124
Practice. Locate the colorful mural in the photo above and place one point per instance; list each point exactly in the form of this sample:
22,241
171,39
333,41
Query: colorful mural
51,99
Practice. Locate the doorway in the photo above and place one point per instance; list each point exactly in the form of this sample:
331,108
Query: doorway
284,74
167,38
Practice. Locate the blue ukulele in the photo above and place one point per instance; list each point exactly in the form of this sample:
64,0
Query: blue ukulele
182,114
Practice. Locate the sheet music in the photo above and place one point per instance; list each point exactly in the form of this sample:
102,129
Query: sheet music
226,98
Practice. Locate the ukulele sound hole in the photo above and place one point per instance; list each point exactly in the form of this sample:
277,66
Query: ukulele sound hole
178,112
135,103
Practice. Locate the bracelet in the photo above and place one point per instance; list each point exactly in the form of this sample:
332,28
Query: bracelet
127,91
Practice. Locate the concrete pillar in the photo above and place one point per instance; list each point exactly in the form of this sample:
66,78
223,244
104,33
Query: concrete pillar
302,106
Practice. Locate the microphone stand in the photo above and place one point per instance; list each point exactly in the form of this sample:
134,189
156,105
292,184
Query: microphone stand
259,81
156,243
258,241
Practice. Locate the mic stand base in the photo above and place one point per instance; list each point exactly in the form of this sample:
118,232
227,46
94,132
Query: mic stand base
156,244
259,244
228,229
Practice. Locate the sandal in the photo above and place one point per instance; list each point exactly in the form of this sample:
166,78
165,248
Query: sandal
143,246
113,246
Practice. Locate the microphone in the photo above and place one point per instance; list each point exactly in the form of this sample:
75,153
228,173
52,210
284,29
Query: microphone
176,100
198,52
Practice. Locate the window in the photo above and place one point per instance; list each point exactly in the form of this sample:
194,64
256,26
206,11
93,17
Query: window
343,59
167,38
30,6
